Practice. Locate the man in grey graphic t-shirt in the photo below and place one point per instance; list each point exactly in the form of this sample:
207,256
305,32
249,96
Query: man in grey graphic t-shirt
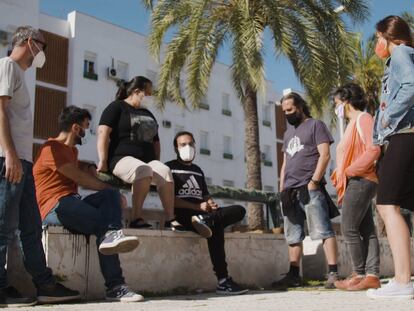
306,156
18,207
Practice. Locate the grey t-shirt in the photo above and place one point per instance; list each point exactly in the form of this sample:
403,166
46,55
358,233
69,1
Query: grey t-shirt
12,84
301,148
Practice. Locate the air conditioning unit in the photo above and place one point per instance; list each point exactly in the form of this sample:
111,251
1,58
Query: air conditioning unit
112,73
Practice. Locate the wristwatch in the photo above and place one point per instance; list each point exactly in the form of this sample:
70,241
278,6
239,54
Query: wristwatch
316,182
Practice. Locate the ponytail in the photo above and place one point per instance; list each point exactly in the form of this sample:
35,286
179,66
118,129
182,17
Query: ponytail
125,88
121,94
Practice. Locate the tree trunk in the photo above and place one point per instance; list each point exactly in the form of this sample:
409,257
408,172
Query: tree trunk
253,157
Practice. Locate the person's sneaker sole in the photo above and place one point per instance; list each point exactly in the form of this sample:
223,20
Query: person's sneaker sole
178,230
226,293
49,299
371,294
129,299
127,244
202,229
18,305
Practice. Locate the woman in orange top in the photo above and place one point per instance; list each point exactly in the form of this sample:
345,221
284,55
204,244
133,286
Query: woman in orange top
355,181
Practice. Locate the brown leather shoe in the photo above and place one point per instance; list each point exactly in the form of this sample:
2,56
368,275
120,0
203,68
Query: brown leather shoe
351,280
370,281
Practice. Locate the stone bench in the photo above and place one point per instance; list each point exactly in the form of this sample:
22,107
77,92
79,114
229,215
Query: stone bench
164,262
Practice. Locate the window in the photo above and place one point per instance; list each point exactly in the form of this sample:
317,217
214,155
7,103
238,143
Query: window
122,71
269,188
227,148
266,109
204,103
267,155
209,182
92,123
5,43
228,183
225,99
204,143
89,66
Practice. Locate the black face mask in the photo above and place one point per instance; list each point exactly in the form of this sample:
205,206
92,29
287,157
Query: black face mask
294,119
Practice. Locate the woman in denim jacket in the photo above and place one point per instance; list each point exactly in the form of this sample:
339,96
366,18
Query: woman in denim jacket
394,128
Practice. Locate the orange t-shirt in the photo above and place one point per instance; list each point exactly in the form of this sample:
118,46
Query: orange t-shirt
50,184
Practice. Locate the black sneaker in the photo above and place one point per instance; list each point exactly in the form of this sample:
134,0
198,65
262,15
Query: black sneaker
139,223
116,242
56,293
122,293
289,281
174,226
229,287
202,225
331,278
10,297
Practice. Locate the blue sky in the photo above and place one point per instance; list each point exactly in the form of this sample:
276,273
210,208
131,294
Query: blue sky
132,15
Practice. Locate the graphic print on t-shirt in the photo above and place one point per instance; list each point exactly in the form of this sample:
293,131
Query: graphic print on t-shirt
143,128
294,146
191,189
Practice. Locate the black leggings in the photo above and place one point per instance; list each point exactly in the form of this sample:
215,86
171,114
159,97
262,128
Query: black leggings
222,218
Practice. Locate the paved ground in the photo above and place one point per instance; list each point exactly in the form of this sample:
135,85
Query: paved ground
317,300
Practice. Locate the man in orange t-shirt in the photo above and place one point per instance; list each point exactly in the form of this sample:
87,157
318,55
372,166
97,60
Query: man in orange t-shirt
57,176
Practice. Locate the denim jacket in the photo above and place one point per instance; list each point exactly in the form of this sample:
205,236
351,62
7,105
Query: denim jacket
396,111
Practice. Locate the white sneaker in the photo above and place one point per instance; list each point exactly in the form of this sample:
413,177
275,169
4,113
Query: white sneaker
392,290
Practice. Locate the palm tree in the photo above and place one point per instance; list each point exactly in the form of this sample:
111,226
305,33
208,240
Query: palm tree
409,18
302,30
368,70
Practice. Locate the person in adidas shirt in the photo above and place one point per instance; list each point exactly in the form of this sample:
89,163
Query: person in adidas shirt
197,211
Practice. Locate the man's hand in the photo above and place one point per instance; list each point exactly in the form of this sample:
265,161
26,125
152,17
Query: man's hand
312,186
102,167
14,169
213,205
204,206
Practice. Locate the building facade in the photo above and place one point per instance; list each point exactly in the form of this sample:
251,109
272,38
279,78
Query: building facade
81,52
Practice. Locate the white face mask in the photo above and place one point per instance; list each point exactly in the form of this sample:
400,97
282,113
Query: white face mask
83,140
87,137
340,110
187,153
39,59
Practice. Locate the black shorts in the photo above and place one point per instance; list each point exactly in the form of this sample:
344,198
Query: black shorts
396,173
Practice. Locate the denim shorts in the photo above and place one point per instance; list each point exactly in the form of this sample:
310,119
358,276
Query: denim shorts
315,213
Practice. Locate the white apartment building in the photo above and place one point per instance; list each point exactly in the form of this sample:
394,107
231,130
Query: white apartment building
80,52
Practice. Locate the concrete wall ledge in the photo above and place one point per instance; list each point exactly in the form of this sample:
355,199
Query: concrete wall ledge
164,262
314,263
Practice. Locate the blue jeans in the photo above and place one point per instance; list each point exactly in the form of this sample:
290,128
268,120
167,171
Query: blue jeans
316,213
19,215
95,214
